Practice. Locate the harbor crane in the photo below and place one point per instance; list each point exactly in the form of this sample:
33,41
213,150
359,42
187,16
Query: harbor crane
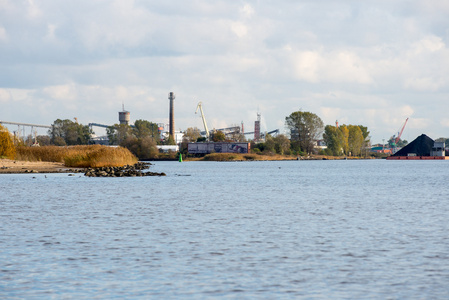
395,139
200,107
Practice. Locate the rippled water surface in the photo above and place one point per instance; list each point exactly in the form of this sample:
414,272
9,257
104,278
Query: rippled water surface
271,230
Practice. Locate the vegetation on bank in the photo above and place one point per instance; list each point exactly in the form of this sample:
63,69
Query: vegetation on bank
86,156
261,157
7,149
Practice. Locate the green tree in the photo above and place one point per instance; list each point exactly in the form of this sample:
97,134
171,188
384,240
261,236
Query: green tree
143,128
143,148
305,128
333,138
282,144
72,133
218,136
355,140
269,145
118,133
344,136
7,148
43,140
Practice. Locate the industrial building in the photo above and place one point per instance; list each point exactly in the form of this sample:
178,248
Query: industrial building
220,147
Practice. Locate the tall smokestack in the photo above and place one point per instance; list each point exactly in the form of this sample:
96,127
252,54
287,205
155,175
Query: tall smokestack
171,96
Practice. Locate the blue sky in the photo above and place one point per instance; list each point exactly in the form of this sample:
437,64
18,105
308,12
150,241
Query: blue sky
373,63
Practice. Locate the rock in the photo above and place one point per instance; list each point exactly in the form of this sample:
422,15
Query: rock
125,171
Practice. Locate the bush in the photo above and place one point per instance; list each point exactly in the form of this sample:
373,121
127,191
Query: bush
256,151
7,148
221,157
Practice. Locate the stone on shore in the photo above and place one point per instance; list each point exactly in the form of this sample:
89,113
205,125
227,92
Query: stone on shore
125,171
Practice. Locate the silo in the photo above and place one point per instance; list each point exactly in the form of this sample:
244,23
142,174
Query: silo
171,97
123,117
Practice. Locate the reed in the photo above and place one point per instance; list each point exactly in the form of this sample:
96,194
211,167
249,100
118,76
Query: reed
92,156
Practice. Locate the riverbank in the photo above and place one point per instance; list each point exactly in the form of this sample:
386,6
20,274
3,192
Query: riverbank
259,157
8,166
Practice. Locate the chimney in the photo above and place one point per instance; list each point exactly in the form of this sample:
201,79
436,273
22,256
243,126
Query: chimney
171,96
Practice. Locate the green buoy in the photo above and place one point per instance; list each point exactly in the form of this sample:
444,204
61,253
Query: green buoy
180,157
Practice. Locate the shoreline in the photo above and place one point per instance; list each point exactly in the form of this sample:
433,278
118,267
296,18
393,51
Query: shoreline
8,166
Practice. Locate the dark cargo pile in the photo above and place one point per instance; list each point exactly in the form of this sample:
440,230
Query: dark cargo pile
421,146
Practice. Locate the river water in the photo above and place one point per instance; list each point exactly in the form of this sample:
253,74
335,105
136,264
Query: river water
371,229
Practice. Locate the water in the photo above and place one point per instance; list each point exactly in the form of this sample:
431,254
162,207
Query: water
242,230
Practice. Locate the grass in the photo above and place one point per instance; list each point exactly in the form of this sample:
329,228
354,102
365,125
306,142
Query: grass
93,156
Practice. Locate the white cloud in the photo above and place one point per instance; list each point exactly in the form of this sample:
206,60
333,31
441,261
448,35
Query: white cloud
33,10
5,96
341,66
3,34
247,11
366,63
239,29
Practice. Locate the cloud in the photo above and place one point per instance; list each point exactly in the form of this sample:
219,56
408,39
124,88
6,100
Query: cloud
5,96
372,63
3,34
341,66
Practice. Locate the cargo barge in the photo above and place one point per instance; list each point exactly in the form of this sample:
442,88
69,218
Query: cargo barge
418,157
422,148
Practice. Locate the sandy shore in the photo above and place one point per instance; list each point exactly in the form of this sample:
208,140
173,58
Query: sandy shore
8,166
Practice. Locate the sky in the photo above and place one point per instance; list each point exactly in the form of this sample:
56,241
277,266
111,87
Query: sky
372,63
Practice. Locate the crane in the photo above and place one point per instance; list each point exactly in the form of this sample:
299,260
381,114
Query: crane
395,139
400,133
200,107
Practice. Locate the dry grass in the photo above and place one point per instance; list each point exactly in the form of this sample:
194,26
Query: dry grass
93,156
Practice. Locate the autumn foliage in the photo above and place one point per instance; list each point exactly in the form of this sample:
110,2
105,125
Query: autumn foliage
7,148
79,156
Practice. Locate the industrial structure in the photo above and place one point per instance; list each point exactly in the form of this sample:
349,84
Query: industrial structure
257,128
221,147
171,97
422,148
395,139
21,129
123,116
200,107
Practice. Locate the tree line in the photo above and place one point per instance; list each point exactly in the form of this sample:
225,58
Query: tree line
305,129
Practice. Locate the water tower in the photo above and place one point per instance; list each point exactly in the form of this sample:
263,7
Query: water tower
171,97
123,116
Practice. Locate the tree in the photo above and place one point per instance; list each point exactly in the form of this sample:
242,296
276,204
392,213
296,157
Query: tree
7,148
191,135
218,136
118,133
355,140
282,144
72,133
269,145
333,138
344,132
143,128
305,128
143,148
43,140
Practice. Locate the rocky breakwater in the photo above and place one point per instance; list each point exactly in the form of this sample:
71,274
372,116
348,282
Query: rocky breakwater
136,170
